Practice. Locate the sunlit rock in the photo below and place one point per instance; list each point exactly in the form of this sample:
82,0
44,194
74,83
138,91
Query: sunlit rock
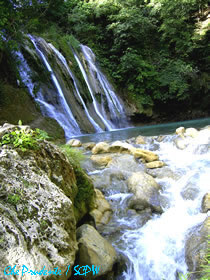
101,160
120,147
145,190
74,143
94,250
180,131
144,154
102,212
100,148
155,164
140,140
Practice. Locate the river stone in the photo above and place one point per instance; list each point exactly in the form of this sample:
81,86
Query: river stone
145,155
94,250
206,203
192,132
89,146
100,148
181,143
196,248
180,131
74,143
103,211
101,160
37,222
120,147
155,164
140,140
164,172
126,163
145,190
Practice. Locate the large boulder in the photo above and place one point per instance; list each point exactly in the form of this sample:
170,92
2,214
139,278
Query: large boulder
94,250
102,213
146,192
192,132
37,224
196,250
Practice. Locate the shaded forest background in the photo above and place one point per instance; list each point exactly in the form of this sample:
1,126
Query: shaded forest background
156,52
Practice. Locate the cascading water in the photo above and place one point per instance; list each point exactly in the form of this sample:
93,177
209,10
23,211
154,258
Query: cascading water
63,115
100,83
63,60
156,250
107,124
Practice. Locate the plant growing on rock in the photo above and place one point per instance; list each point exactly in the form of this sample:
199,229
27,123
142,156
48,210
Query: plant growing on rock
23,138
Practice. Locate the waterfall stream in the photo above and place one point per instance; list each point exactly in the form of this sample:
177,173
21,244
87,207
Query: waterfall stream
155,249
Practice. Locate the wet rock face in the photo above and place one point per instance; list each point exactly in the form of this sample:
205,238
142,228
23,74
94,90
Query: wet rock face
37,223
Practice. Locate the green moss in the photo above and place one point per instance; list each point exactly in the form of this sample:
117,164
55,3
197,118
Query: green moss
13,199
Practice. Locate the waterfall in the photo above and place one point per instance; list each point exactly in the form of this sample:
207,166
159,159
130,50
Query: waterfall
95,103
99,81
64,116
62,98
63,60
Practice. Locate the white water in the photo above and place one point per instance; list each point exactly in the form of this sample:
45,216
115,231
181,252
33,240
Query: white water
63,60
156,250
64,115
95,103
115,107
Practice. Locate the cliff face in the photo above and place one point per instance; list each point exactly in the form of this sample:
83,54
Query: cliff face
37,208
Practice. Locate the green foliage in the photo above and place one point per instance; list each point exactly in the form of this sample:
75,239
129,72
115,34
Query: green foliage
23,138
13,199
74,155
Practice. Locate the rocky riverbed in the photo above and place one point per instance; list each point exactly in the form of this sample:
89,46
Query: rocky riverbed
41,223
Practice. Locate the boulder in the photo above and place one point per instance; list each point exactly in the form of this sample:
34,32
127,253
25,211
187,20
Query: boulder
144,154
146,192
206,203
100,148
103,211
196,249
74,143
94,250
120,147
101,160
192,132
164,172
140,140
155,164
37,224
126,163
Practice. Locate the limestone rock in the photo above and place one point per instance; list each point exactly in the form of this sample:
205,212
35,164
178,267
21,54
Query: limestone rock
94,250
145,190
206,203
103,211
196,249
155,164
120,147
100,148
145,154
140,140
101,160
37,224
74,143
180,130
